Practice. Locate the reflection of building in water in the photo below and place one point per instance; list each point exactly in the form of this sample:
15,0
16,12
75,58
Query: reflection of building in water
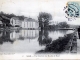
14,35
29,34
5,37
29,23
26,34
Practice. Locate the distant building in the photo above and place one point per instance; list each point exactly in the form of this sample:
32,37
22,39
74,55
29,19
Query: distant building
14,21
30,23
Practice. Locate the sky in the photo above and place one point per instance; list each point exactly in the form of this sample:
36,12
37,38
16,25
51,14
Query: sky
31,8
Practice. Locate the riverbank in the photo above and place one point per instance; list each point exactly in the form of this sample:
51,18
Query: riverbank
59,45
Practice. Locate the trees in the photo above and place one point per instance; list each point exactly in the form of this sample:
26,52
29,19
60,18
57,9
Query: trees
5,21
5,18
63,25
44,19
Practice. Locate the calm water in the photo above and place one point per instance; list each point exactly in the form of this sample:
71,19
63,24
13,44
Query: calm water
28,41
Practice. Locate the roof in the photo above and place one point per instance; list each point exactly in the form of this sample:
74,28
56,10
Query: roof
30,19
25,19
16,18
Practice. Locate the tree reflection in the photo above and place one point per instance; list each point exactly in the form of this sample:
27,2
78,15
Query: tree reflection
43,38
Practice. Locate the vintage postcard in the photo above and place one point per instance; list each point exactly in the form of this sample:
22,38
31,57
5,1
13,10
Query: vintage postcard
39,29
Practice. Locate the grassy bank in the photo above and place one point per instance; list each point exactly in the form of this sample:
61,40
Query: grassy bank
59,45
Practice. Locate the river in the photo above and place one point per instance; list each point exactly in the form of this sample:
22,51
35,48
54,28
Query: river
28,41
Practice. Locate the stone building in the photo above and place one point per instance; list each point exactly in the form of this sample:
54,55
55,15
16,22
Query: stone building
30,23
15,21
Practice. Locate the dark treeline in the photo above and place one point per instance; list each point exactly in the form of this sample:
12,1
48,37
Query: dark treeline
10,15
5,18
59,25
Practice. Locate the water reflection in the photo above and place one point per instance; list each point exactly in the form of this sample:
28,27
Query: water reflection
29,41
59,33
44,38
24,34
54,41
5,37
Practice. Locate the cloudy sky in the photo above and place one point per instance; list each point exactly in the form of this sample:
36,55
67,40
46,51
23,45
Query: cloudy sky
31,8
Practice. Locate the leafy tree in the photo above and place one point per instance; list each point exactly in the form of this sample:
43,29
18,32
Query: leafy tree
44,19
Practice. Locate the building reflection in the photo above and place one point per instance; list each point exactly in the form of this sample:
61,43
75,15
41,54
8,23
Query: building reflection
5,37
24,34
11,36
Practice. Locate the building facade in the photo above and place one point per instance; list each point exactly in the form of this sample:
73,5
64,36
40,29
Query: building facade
27,23
30,23
14,21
